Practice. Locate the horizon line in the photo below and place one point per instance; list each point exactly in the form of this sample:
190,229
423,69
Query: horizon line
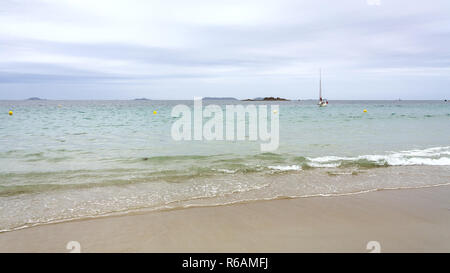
218,98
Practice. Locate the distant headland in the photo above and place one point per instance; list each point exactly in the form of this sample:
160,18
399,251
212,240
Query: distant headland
219,98
34,98
142,99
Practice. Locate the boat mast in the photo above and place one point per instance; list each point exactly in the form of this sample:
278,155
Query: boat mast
320,84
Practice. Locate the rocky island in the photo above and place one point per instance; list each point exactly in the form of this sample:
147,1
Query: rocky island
34,98
267,99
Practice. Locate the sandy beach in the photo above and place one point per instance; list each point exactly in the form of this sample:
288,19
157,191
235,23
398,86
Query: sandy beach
410,220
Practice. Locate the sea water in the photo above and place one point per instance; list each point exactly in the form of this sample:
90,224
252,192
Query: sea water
62,160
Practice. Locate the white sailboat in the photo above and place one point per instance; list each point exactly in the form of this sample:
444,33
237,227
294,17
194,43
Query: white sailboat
322,102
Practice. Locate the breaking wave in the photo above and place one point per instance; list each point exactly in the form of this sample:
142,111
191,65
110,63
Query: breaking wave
437,156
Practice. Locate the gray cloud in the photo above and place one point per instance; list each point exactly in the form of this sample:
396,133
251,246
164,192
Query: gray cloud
261,48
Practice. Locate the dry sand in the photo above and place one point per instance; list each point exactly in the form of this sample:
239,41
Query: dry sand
415,220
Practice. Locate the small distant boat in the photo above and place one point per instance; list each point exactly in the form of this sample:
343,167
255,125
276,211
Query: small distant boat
322,102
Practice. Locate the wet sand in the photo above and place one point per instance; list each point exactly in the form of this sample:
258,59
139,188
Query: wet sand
413,220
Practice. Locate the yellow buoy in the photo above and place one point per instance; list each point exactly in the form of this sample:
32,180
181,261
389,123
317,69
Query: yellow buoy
275,111
365,110
10,113
154,112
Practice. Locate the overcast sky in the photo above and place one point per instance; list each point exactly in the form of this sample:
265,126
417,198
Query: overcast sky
91,49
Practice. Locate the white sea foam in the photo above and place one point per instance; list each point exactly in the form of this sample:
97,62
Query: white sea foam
225,170
323,165
324,159
285,168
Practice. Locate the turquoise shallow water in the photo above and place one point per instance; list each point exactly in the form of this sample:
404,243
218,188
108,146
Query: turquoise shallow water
72,159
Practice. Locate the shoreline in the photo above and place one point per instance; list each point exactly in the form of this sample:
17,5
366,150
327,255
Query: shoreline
143,211
402,220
